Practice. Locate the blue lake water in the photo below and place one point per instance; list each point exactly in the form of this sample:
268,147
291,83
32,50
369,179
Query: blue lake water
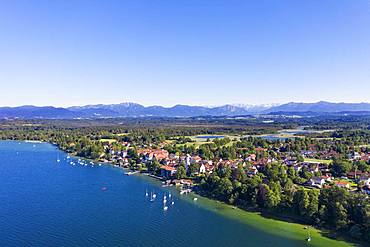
210,137
46,203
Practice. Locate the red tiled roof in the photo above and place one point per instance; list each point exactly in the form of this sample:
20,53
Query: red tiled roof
168,168
341,182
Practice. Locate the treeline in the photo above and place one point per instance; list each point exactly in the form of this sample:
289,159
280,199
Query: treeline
274,191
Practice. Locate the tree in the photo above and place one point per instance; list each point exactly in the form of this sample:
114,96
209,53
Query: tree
332,203
193,169
181,172
340,168
154,166
288,195
224,189
313,206
302,202
263,191
274,195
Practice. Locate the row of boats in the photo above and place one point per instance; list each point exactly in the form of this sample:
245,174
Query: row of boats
167,201
79,162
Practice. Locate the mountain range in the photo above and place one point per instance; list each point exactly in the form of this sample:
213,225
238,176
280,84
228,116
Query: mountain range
137,110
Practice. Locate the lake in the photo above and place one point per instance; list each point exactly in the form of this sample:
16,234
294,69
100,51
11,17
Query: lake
286,134
48,203
210,137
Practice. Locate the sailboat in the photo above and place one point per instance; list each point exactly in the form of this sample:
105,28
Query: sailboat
308,239
146,193
152,197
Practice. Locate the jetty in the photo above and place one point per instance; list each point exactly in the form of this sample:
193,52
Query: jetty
131,173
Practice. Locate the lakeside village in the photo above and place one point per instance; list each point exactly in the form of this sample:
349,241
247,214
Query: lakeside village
322,179
314,168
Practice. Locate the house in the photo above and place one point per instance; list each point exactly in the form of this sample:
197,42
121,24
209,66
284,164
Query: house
313,168
183,182
365,178
209,167
252,171
186,182
327,177
365,157
171,162
261,149
150,154
290,161
366,190
159,154
342,184
307,152
168,171
202,168
324,169
354,156
250,158
298,167
196,159
355,174
317,182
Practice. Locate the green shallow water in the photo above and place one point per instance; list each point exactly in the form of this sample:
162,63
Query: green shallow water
293,231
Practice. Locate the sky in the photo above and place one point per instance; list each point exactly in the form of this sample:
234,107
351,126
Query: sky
195,52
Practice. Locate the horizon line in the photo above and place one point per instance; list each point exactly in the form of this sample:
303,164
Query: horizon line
208,106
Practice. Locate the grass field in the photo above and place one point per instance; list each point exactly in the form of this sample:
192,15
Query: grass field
122,134
108,140
197,140
318,161
364,146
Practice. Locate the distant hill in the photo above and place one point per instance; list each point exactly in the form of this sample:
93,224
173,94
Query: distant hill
137,110
31,112
320,107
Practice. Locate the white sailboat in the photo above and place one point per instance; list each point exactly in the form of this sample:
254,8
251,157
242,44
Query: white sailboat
152,196
308,239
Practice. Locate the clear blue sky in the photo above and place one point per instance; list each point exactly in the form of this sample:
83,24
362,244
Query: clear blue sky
193,52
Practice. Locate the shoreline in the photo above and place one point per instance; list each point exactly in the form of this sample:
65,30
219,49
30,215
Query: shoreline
282,227
289,230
